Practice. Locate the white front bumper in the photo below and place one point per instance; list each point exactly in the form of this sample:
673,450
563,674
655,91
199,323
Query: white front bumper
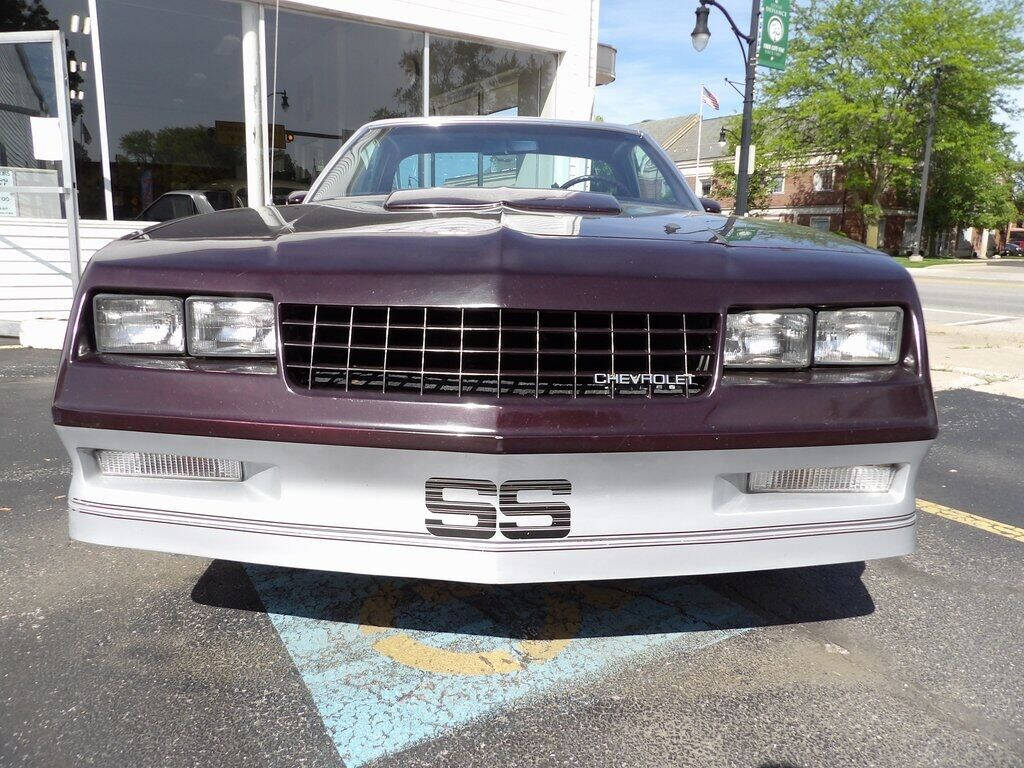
362,510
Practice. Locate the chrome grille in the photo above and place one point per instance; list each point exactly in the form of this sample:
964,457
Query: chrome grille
493,353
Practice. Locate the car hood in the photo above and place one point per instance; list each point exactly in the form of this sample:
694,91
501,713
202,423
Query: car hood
370,216
356,252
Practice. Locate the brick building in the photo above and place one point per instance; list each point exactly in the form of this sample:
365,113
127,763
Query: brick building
810,194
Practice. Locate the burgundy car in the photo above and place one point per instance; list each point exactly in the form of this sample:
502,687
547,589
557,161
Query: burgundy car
496,350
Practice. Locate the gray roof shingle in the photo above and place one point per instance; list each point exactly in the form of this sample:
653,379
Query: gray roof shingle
684,148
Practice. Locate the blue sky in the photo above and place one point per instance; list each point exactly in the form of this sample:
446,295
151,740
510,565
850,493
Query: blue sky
658,73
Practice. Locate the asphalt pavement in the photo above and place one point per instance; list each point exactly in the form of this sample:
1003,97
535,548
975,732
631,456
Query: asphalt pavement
112,657
972,293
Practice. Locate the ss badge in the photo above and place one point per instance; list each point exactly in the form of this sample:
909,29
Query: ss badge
479,519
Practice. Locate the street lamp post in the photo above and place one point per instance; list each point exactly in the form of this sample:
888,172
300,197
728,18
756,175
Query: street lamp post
748,46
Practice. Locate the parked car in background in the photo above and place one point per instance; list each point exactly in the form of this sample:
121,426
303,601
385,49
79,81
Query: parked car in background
185,202
219,196
496,350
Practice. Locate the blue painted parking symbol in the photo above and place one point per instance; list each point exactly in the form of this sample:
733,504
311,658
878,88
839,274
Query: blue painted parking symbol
390,663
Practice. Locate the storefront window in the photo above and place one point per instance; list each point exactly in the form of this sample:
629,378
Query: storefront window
476,79
56,14
173,87
331,77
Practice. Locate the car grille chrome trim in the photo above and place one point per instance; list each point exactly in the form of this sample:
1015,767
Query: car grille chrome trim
496,353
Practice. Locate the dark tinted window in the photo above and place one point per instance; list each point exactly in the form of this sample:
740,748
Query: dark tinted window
23,79
219,198
476,79
169,207
333,76
172,75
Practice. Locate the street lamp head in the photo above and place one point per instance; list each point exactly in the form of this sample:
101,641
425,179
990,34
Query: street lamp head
721,137
701,34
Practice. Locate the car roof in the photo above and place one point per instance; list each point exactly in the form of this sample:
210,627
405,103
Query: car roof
491,120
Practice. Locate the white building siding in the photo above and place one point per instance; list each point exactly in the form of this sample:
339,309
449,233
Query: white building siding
35,268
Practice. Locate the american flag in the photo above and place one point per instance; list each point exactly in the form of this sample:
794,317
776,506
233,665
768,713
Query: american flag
708,97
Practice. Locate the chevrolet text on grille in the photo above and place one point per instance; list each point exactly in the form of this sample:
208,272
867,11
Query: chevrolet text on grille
664,379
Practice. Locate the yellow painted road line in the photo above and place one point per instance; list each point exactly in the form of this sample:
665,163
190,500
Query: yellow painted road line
958,516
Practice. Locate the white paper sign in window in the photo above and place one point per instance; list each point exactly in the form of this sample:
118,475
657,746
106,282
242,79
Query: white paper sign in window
46,144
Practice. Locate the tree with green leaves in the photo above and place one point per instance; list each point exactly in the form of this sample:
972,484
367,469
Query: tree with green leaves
857,88
768,166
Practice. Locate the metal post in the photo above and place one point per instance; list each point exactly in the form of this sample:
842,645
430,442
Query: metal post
425,74
101,110
68,179
743,177
916,255
254,105
700,126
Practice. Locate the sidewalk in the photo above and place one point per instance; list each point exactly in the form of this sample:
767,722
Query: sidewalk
978,357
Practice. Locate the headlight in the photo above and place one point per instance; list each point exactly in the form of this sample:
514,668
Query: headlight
228,327
768,339
153,325
858,336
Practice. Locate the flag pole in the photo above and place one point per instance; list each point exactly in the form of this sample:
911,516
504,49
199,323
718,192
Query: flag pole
700,125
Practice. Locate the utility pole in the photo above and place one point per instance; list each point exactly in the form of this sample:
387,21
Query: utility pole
916,255
743,177
700,36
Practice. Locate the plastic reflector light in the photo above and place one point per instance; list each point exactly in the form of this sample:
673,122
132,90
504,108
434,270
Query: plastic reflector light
167,465
870,478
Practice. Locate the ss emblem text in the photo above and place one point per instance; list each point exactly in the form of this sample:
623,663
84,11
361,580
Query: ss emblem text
481,517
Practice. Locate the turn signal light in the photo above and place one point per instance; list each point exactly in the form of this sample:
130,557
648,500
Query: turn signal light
869,478
167,465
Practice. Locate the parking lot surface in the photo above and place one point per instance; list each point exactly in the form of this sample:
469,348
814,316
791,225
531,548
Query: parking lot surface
112,657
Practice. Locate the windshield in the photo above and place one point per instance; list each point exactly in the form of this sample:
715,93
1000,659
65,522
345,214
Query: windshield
523,156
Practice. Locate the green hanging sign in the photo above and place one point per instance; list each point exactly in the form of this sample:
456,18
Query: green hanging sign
773,42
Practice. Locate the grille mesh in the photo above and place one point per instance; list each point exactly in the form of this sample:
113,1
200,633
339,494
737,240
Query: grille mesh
494,353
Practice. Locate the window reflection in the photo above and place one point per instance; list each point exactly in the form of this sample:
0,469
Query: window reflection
173,82
475,79
50,14
332,76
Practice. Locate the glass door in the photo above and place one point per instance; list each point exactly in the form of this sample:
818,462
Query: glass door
37,175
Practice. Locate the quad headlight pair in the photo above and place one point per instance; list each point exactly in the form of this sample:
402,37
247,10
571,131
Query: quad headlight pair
205,326
794,338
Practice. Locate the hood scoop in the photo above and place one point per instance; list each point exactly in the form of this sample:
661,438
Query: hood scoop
561,200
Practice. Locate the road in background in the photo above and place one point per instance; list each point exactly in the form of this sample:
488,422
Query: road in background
972,294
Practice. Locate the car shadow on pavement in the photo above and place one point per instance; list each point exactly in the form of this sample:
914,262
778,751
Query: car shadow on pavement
542,611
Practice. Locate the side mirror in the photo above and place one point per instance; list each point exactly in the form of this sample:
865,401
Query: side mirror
296,197
711,206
